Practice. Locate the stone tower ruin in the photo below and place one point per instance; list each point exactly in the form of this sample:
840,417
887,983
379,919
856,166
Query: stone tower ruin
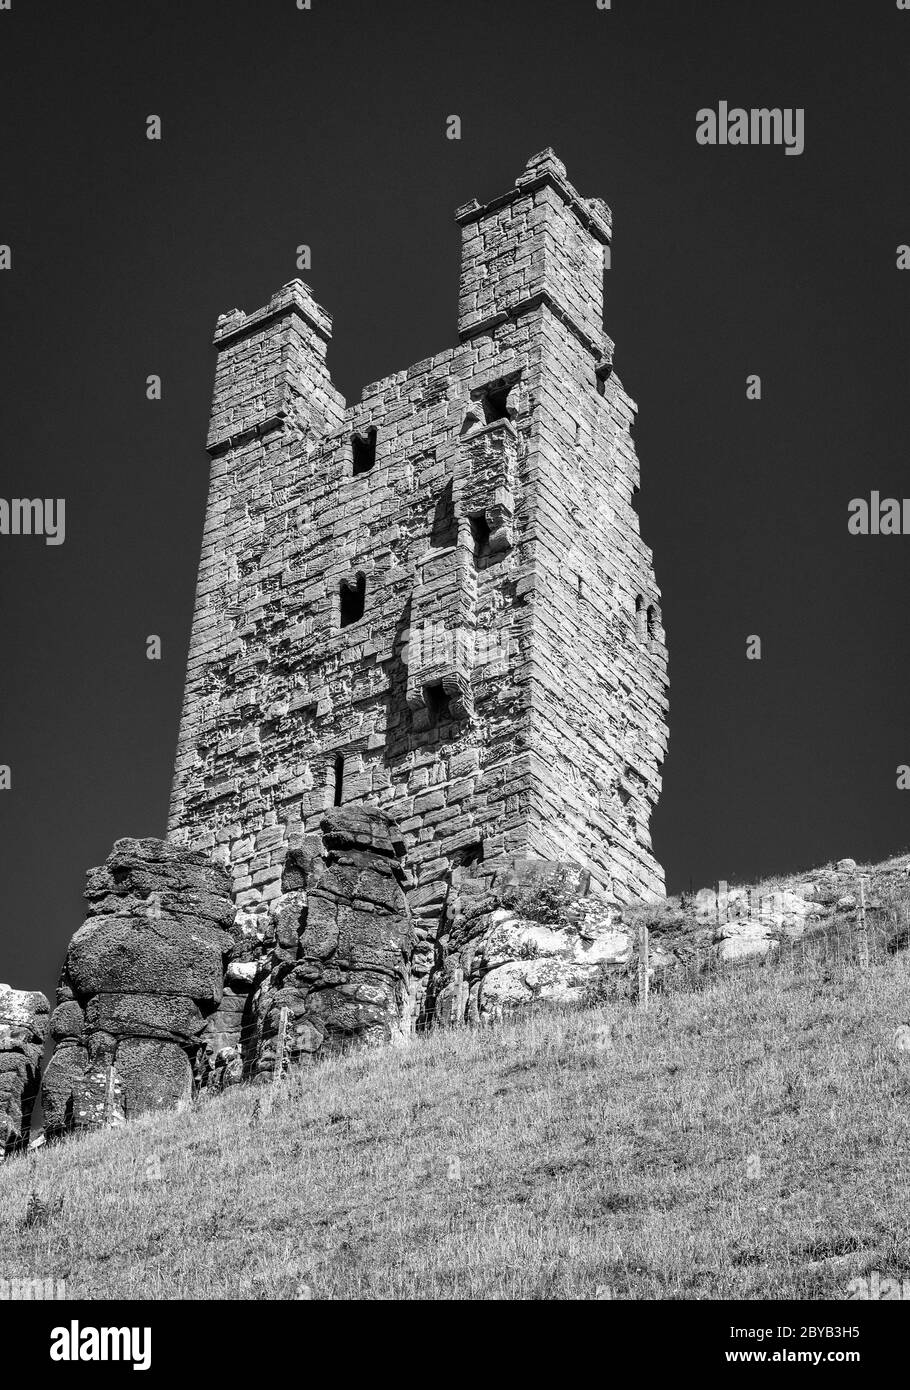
425,706
435,600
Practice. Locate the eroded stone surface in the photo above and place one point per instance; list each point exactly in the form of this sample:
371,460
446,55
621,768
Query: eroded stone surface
23,1025
143,977
518,932
341,944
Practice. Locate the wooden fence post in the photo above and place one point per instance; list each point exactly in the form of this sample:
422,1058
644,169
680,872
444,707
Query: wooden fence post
281,1045
643,966
863,928
109,1094
111,1117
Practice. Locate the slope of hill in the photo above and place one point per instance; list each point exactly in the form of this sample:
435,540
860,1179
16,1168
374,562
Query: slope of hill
744,1140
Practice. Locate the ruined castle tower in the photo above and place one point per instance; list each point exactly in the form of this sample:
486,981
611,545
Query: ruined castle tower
437,599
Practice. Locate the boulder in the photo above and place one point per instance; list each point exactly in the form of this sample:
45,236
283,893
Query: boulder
170,1017
135,953
68,1022
143,976
743,939
153,1075
61,1082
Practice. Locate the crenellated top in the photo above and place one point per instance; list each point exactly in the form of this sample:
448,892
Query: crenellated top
295,298
546,168
539,243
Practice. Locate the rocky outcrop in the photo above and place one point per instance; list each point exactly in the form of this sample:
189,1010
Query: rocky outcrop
23,1026
520,931
339,942
749,922
142,976
168,985
517,931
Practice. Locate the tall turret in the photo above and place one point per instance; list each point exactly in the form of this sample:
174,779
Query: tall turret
436,599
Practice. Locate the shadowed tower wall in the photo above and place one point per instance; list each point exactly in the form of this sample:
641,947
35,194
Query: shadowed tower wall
436,599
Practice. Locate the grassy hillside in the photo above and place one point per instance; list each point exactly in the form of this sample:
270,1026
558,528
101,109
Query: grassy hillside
747,1141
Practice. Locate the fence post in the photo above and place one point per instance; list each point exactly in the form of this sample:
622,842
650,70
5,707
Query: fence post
110,1118
281,1045
643,966
863,928
109,1094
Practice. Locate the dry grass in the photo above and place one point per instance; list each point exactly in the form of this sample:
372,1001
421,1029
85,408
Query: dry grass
745,1141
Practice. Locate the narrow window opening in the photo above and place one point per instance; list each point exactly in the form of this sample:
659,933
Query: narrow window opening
467,855
352,599
639,616
652,622
437,701
480,535
339,778
444,530
495,402
363,450
602,376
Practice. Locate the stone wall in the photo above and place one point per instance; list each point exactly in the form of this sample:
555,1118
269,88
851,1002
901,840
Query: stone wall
503,690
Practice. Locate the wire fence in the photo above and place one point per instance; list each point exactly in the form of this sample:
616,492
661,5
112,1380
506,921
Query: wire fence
845,946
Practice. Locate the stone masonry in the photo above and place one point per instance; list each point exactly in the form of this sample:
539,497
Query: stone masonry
436,600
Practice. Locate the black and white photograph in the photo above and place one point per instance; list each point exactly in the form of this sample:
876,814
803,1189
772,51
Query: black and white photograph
454,741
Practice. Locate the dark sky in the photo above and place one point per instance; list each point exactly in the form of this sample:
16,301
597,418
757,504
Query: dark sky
328,127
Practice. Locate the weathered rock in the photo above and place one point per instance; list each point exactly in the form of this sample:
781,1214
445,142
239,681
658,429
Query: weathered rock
60,1085
140,954
744,938
165,1016
143,976
68,1022
23,1026
153,1075
521,931
226,1070
358,827
343,941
